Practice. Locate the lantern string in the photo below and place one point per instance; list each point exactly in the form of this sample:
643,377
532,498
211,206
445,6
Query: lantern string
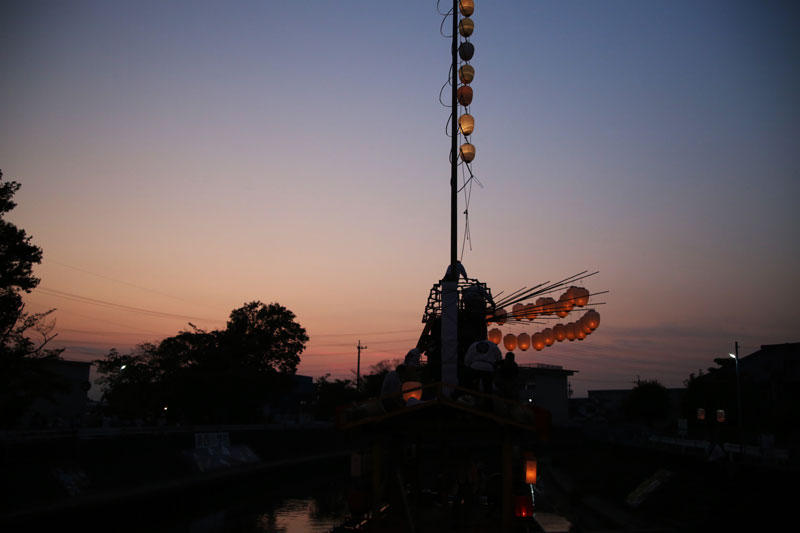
445,84
442,12
444,19
467,197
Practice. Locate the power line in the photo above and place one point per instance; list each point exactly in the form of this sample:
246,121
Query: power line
121,307
123,282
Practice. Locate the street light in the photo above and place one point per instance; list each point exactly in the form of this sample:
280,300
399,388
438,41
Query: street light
735,356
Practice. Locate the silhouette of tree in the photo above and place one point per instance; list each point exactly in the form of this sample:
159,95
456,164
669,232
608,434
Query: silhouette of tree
22,377
208,376
649,400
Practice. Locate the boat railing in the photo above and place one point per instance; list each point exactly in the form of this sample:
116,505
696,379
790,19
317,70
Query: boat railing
501,409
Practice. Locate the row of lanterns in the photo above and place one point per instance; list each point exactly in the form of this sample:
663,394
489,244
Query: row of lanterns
466,122
572,297
579,330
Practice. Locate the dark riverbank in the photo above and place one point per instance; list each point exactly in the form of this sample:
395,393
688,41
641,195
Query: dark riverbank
145,475
594,483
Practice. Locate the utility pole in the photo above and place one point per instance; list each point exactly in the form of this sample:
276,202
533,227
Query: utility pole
738,395
358,365
454,143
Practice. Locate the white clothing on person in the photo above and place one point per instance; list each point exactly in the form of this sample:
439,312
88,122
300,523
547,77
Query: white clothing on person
482,356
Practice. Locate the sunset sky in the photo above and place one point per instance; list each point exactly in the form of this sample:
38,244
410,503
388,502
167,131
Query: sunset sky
179,159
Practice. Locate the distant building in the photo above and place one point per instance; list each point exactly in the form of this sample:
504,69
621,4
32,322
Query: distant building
67,408
546,386
770,389
607,405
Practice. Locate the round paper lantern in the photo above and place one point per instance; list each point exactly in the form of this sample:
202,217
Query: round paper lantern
561,309
467,152
466,74
541,306
530,311
500,316
593,318
548,336
548,305
510,342
570,331
537,341
559,332
579,334
582,296
467,7
570,295
518,311
465,27
524,341
464,95
495,335
466,123
583,325
466,51
566,302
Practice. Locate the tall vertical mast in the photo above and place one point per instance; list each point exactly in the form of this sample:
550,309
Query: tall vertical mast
454,142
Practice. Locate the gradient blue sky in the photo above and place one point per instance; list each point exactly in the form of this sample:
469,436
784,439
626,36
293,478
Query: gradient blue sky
186,157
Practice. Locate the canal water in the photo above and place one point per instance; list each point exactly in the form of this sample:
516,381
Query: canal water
313,504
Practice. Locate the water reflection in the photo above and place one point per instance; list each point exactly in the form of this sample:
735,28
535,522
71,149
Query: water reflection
297,516
314,509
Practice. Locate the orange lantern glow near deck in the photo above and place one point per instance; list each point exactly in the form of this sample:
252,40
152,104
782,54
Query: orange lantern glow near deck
530,469
495,335
523,506
408,393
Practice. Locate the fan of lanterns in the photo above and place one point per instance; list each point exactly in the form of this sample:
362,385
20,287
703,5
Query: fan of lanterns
466,73
579,329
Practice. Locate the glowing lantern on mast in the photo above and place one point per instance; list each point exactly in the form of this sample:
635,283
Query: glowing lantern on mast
467,7
559,332
530,311
495,335
500,316
510,342
465,27
579,334
466,74
467,152
537,341
582,296
464,95
466,123
570,331
592,319
517,311
549,338
567,301
524,341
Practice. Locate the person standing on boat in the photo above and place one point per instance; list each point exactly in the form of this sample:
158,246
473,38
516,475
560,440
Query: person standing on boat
507,373
482,358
